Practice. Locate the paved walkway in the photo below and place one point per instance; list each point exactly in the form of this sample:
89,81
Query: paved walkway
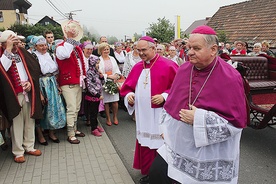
93,161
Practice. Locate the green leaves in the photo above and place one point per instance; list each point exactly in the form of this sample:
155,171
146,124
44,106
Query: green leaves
110,87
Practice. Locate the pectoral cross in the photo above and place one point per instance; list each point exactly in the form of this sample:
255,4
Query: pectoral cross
146,81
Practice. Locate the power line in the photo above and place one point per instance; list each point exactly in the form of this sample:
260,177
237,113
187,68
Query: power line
62,5
55,8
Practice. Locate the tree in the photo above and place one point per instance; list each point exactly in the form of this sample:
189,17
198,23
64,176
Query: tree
112,39
222,36
163,30
137,36
87,35
27,30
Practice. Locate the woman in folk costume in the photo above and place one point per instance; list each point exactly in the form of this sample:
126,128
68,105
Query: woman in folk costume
54,116
203,118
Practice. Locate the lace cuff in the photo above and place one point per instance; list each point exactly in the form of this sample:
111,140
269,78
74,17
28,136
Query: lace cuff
71,41
9,55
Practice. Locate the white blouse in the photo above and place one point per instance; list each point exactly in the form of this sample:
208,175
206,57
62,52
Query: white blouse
47,64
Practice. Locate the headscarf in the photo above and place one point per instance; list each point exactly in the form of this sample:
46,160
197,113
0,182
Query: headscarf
37,40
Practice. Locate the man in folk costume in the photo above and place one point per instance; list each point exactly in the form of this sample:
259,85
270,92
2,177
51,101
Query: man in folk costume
203,118
20,99
146,89
70,60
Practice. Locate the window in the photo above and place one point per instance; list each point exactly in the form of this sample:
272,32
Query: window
1,17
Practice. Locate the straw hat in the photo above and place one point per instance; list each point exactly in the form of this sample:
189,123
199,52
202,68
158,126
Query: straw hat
5,34
74,26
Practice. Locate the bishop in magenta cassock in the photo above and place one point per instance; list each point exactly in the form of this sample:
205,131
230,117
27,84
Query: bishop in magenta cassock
145,90
203,118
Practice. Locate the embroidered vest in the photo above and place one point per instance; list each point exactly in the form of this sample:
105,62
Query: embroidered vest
15,79
69,69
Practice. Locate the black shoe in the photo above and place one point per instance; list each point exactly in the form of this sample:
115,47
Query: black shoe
45,143
144,180
4,146
102,114
54,140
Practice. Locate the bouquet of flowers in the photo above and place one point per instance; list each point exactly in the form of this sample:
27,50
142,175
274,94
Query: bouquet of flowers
110,87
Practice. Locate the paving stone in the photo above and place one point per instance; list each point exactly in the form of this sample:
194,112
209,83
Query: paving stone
93,161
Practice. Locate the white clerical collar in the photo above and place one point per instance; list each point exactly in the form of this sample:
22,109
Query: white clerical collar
148,62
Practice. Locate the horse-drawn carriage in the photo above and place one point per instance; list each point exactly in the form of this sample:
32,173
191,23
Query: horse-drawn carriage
259,75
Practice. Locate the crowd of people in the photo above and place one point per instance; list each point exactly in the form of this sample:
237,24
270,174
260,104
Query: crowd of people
241,48
185,133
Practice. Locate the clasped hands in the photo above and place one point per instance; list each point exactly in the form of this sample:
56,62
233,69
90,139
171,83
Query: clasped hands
156,99
187,115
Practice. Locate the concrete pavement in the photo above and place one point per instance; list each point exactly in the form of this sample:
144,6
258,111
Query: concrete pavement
93,161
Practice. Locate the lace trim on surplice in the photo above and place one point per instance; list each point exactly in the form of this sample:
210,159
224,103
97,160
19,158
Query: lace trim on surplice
212,171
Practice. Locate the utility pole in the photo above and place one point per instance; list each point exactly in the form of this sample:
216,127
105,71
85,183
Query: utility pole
70,14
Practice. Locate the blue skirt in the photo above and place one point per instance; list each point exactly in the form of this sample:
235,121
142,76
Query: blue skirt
54,114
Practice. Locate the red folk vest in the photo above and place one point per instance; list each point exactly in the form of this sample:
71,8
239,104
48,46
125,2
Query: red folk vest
15,79
69,69
14,76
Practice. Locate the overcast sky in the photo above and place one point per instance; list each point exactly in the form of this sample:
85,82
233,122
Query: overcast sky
126,17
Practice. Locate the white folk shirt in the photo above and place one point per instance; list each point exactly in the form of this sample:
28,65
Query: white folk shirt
120,57
6,62
207,152
147,118
47,64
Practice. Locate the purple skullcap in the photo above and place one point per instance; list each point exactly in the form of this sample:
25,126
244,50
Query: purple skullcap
147,38
204,30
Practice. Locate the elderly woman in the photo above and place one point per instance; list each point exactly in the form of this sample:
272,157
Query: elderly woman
87,49
54,116
160,49
131,59
174,57
120,55
110,70
256,50
265,48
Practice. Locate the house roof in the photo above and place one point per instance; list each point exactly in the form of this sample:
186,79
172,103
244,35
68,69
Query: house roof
13,4
251,21
6,5
49,20
196,24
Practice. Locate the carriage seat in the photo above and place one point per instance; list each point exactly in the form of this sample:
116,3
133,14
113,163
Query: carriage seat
258,75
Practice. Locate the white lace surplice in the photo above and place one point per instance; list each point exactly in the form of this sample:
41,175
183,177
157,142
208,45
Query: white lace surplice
147,118
207,152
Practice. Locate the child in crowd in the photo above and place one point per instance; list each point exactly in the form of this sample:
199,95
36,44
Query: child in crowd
95,80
